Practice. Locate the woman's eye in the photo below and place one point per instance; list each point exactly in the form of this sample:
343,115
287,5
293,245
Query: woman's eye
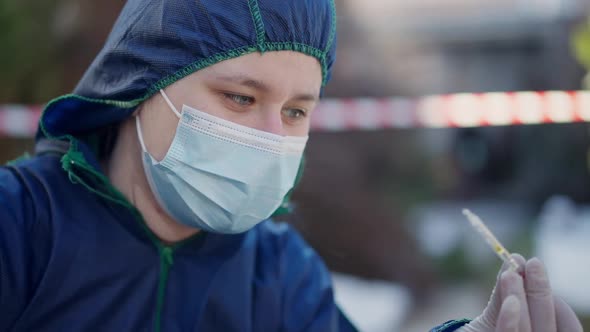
239,99
294,113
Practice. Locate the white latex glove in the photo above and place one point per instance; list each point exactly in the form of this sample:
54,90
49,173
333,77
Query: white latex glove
522,301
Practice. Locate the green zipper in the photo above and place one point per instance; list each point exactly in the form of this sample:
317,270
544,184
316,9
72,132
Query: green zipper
166,253
166,261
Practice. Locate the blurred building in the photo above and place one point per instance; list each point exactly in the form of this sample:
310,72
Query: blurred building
431,47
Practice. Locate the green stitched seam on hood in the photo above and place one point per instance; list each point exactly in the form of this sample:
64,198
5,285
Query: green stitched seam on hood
258,24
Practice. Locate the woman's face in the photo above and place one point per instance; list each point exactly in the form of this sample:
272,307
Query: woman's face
273,92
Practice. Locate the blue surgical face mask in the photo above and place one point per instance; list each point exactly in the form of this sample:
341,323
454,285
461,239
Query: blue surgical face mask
220,176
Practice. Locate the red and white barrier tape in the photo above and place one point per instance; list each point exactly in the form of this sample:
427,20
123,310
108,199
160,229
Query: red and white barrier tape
19,121
454,110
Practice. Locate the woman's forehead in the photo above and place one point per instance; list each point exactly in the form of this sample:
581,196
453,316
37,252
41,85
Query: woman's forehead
266,72
268,61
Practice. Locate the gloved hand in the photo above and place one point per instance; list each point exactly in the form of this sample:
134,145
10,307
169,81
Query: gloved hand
522,301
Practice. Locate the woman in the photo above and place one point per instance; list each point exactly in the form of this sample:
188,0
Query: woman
146,205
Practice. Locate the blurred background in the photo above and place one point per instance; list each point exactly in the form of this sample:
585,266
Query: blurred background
383,207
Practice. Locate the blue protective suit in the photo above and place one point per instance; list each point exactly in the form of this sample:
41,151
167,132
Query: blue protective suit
71,261
75,255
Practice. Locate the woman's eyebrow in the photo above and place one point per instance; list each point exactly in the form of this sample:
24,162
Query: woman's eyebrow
306,97
246,81
261,86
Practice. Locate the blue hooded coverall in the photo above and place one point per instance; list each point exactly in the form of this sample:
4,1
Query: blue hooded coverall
75,255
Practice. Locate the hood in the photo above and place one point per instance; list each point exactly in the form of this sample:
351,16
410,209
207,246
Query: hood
155,43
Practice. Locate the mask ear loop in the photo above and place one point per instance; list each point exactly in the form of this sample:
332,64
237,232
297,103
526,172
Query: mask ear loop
170,103
138,122
140,133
